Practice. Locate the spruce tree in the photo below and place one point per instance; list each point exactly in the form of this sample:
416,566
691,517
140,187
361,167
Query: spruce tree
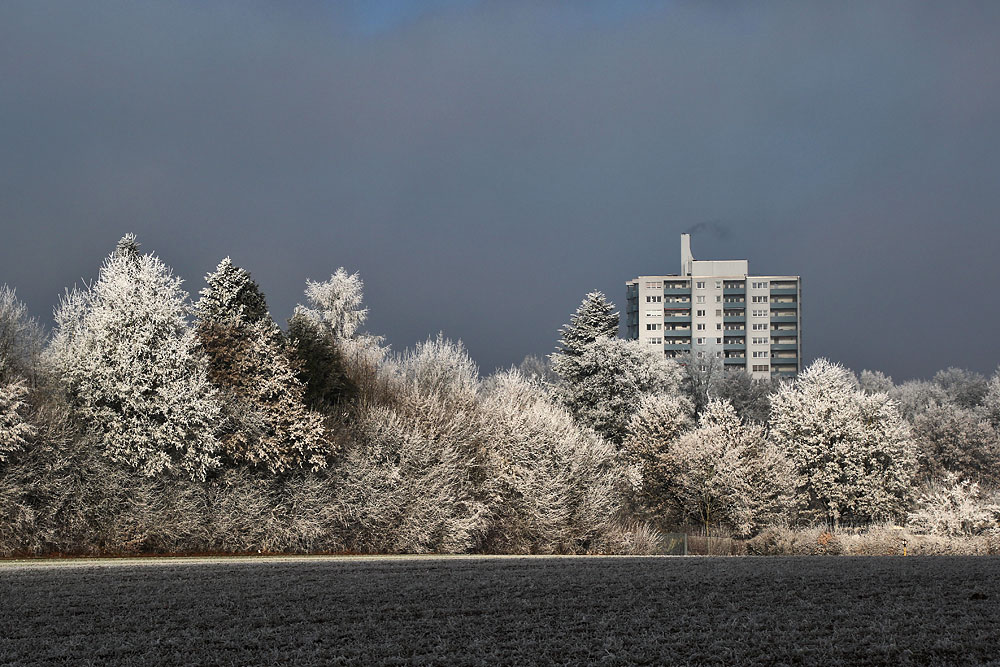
595,318
267,422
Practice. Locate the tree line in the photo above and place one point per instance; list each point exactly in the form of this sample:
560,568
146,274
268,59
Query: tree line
147,421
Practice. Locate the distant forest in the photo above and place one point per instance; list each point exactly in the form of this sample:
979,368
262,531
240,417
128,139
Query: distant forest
150,422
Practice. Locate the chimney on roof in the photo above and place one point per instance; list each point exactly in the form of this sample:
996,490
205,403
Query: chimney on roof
686,258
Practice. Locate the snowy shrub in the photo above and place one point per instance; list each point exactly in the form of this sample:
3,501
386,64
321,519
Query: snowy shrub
124,350
952,508
556,486
852,452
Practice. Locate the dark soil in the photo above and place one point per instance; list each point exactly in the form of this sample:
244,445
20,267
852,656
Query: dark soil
515,611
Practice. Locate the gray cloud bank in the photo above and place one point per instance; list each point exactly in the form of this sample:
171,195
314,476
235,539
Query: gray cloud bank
485,167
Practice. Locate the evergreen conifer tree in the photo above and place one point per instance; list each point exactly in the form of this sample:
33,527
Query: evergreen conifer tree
267,424
125,351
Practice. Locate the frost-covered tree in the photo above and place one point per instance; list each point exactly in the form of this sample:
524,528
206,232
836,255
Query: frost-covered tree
956,440
14,427
411,480
726,472
918,396
991,403
268,423
595,319
325,339
966,389
852,452
875,382
125,352
657,422
539,368
21,339
558,488
604,384
749,397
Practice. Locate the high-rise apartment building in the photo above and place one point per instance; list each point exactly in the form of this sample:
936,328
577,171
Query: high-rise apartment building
718,313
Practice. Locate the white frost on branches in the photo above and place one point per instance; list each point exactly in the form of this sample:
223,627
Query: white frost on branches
123,347
559,487
726,472
851,450
953,508
14,429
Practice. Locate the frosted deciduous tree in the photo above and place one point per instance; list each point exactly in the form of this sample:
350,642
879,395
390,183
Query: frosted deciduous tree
21,338
125,351
991,403
726,472
749,397
325,339
558,488
875,382
14,427
852,452
268,424
966,389
957,440
918,396
657,422
411,480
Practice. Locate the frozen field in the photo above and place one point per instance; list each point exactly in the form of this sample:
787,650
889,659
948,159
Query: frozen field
468,611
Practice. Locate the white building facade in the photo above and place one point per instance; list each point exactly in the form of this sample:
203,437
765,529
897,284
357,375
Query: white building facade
721,315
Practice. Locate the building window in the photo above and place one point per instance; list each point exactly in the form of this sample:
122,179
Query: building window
718,355
762,285
700,284
760,327
701,327
701,299
650,285
718,340
760,341
760,313
653,327
718,326
760,368
654,313
760,299
701,341
718,312
761,354
654,299
656,341
718,284
700,313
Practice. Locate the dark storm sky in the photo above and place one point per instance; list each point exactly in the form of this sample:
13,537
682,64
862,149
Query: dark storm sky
484,165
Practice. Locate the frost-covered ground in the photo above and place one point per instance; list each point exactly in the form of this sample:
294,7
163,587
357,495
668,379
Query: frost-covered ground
504,610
